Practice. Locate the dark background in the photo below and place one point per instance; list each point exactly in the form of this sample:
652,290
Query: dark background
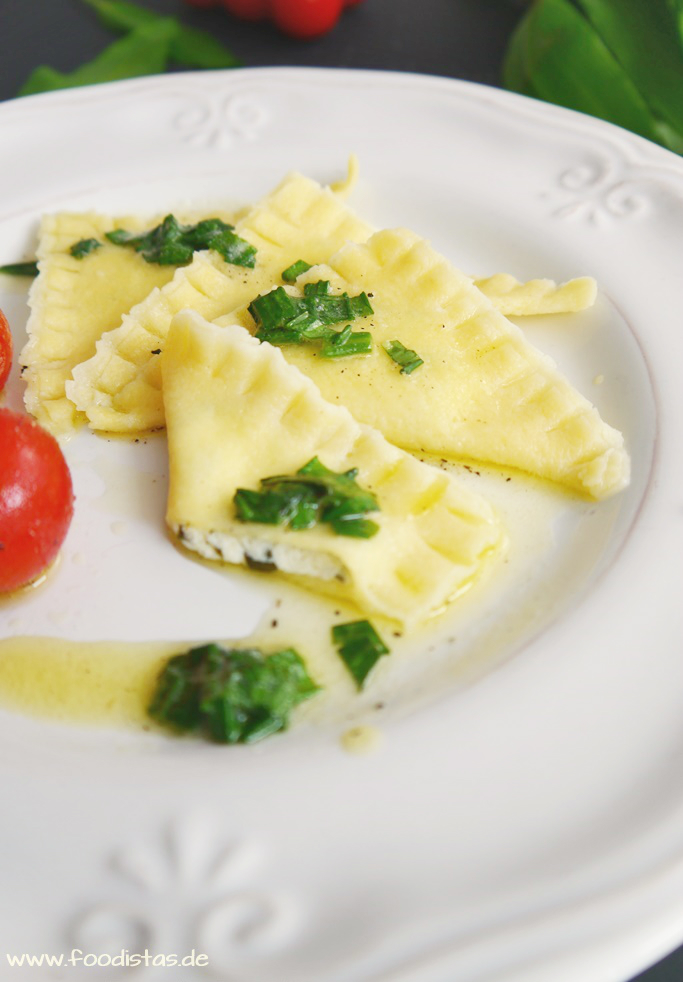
458,38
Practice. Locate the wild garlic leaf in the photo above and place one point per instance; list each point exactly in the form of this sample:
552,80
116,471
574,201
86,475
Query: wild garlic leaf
231,695
145,51
360,647
556,55
643,38
313,496
172,244
188,46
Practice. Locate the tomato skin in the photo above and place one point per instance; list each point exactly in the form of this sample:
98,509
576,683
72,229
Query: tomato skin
6,350
36,500
302,19
306,18
248,9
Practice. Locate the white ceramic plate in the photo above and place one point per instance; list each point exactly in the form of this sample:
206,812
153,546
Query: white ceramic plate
522,819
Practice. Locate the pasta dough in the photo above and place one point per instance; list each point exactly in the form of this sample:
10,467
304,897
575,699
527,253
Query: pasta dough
238,412
484,392
119,389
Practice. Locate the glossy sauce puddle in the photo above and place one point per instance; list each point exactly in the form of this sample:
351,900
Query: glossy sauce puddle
109,683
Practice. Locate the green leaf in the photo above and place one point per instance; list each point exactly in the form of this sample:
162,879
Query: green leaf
312,496
322,288
408,359
676,8
121,16
145,51
297,507
555,54
190,47
273,309
198,49
43,79
295,270
282,319
173,244
231,695
84,247
360,648
20,269
643,37
347,343
277,309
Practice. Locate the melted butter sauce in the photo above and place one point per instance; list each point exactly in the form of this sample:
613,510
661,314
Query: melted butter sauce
93,683
361,739
106,683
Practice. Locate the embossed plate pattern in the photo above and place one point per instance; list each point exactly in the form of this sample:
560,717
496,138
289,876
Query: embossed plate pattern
526,825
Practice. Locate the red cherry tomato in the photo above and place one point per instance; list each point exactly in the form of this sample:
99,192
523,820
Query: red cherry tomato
298,18
5,350
36,499
248,9
306,18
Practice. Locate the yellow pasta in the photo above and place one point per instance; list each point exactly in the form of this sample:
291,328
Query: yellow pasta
237,412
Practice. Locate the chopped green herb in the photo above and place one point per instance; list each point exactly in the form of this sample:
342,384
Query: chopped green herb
319,289
274,309
310,497
20,269
173,244
334,309
360,648
296,507
84,247
347,342
231,695
407,359
277,309
282,319
295,270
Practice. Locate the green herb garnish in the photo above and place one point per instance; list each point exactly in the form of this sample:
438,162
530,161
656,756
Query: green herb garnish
407,359
319,289
311,496
173,244
295,270
231,695
84,247
20,269
278,310
360,648
347,342
282,319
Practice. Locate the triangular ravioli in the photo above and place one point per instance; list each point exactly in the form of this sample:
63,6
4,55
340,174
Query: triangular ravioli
237,412
74,301
119,389
484,392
